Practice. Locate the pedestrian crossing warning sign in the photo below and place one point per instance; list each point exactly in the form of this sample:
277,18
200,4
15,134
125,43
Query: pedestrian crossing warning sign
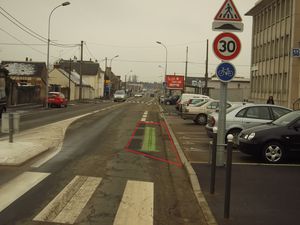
228,12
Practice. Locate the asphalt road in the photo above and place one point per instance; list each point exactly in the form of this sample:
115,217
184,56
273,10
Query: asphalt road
124,160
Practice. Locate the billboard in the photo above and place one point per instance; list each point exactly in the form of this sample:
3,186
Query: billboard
175,82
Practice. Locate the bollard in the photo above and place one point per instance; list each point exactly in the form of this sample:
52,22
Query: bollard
213,161
11,127
228,176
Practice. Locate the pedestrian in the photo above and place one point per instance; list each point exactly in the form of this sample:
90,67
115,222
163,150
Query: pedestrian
270,100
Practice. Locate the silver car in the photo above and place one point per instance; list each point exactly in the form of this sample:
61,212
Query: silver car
246,116
120,96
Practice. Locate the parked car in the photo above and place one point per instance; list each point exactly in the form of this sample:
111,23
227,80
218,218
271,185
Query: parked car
171,100
246,116
273,141
184,98
200,111
120,96
138,95
57,99
161,99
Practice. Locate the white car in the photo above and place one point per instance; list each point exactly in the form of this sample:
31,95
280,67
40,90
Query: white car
199,112
138,95
184,99
120,96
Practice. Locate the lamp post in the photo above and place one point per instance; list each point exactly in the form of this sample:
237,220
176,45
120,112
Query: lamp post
48,49
112,59
166,66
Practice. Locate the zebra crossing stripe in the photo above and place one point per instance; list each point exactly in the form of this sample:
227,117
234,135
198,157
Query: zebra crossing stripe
18,186
136,206
68,204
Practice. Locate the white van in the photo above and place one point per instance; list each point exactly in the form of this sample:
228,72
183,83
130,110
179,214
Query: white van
184,99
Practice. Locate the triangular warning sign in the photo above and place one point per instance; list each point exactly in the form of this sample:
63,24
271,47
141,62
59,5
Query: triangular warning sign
228,12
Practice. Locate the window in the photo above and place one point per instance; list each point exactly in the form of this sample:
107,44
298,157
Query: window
259,112
278,112
241,113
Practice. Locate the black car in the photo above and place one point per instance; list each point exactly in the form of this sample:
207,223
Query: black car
171,100
273,141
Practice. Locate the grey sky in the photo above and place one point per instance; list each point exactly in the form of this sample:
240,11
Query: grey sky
128,28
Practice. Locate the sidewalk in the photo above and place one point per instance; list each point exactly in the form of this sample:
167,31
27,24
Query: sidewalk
28,144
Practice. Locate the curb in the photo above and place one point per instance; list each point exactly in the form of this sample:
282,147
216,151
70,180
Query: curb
209,217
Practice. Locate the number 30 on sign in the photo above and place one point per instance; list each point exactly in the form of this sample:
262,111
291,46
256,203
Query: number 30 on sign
227,46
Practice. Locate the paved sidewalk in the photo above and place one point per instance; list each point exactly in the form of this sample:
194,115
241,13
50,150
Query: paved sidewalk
30,143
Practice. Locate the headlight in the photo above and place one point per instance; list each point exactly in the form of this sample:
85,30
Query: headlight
250,136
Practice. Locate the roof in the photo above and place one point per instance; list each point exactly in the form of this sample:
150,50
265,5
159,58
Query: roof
259,6
35,69
88,67
75,77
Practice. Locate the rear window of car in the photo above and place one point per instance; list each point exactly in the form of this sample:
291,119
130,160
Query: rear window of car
53,95
120,92
278,112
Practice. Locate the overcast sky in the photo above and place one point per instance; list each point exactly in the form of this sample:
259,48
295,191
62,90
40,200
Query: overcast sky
128,28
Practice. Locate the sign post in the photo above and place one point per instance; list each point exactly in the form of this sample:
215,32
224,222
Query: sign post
226,46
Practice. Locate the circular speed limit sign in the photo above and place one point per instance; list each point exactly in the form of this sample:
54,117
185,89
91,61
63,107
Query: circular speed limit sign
227,46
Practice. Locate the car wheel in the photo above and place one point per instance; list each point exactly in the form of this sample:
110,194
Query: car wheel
201,119
235,133
273,152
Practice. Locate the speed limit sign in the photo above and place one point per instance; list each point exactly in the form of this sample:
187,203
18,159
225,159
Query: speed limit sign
227,46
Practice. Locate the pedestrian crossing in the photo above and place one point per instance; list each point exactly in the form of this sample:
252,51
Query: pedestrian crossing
136,205
151,102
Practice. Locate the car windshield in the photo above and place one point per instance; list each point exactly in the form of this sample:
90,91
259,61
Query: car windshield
287,118
120,92
53,95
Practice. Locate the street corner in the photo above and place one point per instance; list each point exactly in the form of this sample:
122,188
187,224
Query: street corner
153,140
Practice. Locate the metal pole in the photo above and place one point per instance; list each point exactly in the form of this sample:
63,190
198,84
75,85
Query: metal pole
228,177
70,79
221,124
11,127
80,84
48,52
213,161
206,70
186,69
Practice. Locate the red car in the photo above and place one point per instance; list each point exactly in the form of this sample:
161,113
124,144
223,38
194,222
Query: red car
57,99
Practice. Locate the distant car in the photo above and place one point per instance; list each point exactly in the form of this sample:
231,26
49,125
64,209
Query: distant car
171,100
57,99
161,99
273,141
246,116
138,95
120,96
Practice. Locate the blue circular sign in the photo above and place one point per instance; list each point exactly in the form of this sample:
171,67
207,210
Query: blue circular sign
225,72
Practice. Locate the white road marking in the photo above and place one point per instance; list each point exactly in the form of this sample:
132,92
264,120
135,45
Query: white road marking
18,186
136,206
68,204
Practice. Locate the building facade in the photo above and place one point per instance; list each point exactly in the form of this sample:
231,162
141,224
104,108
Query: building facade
274,71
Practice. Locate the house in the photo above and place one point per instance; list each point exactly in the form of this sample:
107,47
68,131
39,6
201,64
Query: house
69,84
28,81
113,82
91,73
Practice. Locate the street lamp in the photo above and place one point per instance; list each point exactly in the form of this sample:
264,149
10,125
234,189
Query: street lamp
48,49
112,59
166,67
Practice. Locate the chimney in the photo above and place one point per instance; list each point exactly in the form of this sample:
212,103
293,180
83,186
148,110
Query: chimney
26,59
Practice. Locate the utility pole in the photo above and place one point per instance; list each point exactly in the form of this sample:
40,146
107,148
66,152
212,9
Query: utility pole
186,69
105,76
81,58
125,83
206,70
70,79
